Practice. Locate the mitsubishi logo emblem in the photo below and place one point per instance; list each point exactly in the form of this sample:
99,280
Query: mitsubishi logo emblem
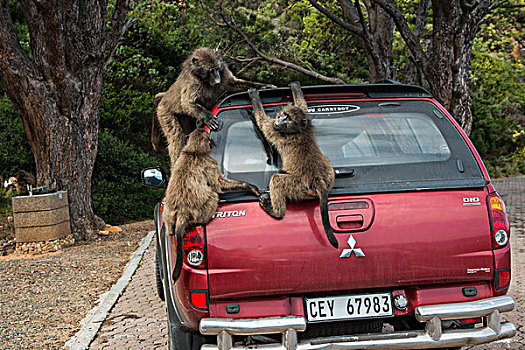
346,253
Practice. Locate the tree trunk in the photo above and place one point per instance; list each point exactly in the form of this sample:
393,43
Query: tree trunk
65,146
59,88
446,64
447,70
381,28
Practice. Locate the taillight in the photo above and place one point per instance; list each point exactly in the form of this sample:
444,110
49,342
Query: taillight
499,223
199,299
502,278
193,248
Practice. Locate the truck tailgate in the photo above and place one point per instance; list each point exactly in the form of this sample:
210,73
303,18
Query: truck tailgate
405,238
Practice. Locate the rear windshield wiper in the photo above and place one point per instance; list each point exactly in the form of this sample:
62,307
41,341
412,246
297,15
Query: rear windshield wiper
268,149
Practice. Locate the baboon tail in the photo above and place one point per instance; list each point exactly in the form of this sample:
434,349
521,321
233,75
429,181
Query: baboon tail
326,221
178,262
156,132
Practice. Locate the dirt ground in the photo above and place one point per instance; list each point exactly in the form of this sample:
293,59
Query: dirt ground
43,298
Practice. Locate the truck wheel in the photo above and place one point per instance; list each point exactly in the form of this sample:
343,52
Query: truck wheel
160,287
180,339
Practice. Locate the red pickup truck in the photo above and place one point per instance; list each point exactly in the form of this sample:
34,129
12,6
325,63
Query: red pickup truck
423,258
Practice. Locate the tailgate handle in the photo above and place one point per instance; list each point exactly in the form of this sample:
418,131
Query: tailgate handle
345,222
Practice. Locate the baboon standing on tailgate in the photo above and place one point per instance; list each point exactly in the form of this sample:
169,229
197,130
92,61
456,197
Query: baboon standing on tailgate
307,171
193,190
204,77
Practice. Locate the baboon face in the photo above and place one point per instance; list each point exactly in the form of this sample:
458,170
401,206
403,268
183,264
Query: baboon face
199,142
291,120
207,64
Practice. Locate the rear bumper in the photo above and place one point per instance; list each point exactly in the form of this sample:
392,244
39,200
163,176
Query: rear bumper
432,337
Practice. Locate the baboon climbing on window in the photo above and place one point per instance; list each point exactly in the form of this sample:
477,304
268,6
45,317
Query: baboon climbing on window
307,173
204,77
193,189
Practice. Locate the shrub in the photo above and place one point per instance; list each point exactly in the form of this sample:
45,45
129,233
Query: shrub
15,153
117,193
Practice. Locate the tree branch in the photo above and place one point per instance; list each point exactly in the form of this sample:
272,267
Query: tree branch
278,61
118,28
345,25
401,23
422,13
72,45
44,25
243,59
15,65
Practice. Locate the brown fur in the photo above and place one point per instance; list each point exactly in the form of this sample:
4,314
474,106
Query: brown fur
193,190
307,170
191,97
21,181
156,137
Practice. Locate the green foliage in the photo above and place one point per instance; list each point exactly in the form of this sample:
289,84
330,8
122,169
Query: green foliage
498,137
496,72
15,152
117,193
143,66
494,75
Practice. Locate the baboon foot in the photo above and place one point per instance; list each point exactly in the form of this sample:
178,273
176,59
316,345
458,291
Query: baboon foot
266,204
255,190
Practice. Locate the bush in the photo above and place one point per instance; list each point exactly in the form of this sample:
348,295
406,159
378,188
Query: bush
117,193
15,153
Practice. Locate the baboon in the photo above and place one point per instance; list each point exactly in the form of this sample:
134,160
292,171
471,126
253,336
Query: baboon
204,77
193,190
156,137
23,182
307,173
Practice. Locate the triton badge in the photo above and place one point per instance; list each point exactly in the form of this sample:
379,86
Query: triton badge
346,253
227,214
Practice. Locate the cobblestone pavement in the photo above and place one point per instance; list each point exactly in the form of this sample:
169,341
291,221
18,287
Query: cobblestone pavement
138,320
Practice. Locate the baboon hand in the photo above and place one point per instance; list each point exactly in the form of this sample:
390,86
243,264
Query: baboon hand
253,94
211,122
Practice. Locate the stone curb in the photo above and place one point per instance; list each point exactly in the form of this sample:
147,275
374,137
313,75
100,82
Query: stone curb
94,318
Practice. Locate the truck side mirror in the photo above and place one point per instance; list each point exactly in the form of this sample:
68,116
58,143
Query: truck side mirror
154,177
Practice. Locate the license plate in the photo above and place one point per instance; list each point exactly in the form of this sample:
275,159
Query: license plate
349,307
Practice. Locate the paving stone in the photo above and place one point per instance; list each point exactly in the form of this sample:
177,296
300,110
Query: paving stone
138,319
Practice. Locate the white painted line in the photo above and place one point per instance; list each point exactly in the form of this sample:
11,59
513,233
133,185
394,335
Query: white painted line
94,318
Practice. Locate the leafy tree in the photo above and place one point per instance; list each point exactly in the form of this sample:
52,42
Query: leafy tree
445,64
57,87
373,29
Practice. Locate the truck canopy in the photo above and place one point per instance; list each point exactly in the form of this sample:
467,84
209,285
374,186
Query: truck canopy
409,195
